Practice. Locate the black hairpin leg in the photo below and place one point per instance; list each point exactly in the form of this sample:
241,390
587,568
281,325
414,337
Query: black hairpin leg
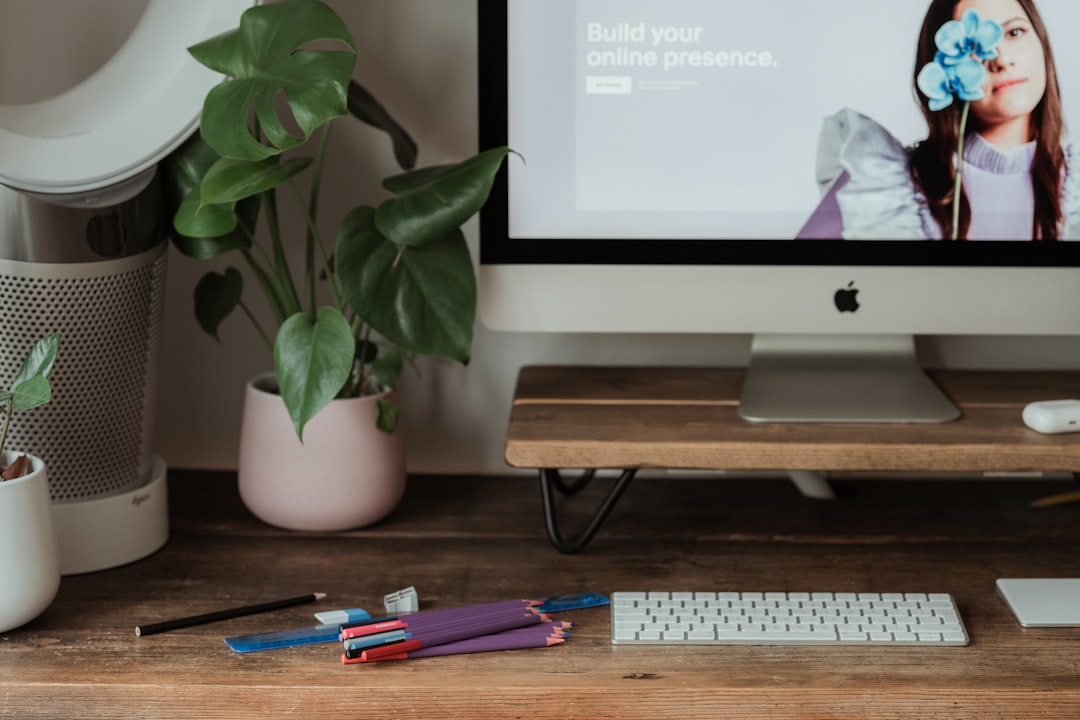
551,480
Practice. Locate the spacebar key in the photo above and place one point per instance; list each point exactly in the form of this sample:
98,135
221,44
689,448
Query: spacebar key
776,638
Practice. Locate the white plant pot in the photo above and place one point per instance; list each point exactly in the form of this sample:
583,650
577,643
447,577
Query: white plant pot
345,475
29,552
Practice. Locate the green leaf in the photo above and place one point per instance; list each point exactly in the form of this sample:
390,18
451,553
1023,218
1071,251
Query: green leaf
216,296
229,181
269,58
364,107
204,248
212,231
30,393
40,360
312,360
422,299
433,202
185,167
386,415
195,220
30,387
387,369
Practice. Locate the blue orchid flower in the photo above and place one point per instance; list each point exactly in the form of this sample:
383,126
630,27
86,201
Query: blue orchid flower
957,69
940,82
960,39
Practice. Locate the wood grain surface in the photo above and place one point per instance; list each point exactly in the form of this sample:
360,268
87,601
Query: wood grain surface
686,418
463,540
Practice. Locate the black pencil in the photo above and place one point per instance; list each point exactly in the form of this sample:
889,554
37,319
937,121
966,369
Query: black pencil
160,627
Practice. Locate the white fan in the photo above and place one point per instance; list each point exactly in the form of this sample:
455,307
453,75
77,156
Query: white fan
112,129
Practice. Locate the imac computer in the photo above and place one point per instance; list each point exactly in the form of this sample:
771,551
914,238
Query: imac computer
724,166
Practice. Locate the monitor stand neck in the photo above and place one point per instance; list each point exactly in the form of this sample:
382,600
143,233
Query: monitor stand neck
840,378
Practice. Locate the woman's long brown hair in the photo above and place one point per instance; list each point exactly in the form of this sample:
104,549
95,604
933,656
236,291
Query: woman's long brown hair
932,160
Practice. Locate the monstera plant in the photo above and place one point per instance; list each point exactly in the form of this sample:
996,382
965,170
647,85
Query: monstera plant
396,279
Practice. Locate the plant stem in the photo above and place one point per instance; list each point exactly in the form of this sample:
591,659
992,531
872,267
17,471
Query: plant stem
282,274
313,211
362,379
8,409
258,326
339,301
355,383
269,287
958,175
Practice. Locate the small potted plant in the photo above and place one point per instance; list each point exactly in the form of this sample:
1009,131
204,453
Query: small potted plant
29,553
397,280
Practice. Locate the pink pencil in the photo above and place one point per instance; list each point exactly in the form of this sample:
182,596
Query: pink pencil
486,643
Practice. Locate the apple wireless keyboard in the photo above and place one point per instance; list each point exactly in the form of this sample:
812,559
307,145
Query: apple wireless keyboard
785,618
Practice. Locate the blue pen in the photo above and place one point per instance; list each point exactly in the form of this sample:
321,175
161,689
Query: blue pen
366,641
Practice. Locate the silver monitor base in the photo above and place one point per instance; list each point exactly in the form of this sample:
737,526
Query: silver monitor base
847,379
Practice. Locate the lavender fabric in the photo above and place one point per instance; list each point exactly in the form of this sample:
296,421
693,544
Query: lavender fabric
868,193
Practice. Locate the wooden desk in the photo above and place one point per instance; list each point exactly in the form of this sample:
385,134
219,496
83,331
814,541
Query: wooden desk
466,540
686,418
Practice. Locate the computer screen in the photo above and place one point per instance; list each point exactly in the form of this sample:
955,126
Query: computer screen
755,167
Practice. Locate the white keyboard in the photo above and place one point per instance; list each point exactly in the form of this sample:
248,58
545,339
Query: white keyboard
781,618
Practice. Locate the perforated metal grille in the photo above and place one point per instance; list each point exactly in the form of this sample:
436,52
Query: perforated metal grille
95,434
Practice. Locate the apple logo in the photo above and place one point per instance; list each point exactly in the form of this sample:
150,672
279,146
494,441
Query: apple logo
845,298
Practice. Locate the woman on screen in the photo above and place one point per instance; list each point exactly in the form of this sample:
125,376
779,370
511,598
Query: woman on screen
1016,180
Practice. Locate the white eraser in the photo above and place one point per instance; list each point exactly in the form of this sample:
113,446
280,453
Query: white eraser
1053,416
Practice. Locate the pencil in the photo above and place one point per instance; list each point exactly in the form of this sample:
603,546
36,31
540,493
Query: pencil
531,636
444,635
465,628
487,643
1061,499
461,611
153,628
400,634
412,622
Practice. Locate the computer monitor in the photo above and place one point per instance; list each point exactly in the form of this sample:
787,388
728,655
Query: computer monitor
680,164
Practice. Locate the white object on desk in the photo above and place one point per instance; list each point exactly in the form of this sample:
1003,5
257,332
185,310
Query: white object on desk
783,618
104,136
1053,416
402,601
1042,602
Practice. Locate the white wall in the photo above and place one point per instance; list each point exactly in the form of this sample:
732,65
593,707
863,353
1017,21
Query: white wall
418,57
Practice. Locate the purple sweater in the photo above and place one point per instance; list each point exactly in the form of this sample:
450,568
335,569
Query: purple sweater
997,183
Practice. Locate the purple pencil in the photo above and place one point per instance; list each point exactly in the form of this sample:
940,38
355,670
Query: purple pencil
486,643
469,610
413,623
355,646
441,636
466,611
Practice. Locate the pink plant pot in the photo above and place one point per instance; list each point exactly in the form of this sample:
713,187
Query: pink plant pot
345,475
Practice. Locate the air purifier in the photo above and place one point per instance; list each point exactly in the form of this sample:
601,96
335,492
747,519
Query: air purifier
83,254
